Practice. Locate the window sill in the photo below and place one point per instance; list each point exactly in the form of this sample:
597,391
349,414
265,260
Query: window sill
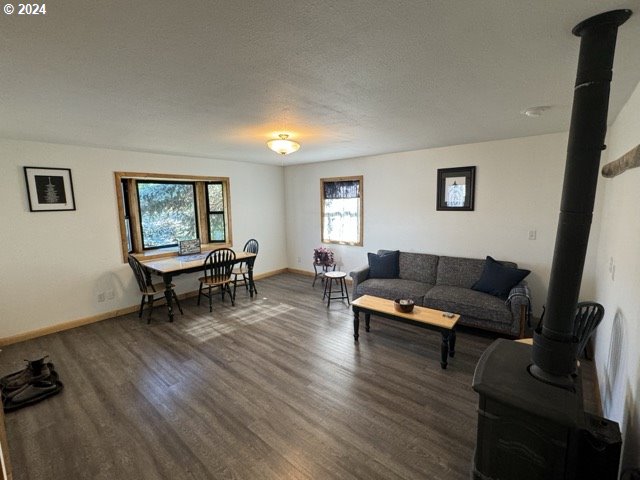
173,251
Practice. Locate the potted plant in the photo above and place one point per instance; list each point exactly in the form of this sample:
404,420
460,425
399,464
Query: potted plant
323,256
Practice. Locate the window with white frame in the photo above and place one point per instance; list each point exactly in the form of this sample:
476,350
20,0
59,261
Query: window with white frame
341,210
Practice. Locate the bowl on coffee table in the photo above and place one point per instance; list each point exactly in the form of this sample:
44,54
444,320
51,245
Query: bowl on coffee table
403,305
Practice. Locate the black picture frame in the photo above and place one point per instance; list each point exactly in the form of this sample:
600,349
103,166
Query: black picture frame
49,189
450,196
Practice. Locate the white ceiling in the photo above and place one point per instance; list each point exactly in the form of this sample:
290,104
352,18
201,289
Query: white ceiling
345,78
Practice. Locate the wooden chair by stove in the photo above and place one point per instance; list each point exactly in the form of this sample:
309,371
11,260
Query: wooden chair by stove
240,273
149,289
217,274
588,317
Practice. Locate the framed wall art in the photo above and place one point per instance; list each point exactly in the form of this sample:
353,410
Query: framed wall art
189,247
456,188
49,189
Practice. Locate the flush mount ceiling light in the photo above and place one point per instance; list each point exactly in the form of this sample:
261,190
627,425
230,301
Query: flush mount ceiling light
535,111
283,145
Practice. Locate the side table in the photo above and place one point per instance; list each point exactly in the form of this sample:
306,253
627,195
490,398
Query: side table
320,269
338,277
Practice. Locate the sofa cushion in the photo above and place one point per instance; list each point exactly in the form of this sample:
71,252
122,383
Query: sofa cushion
498,279
420,267
458,271
467,302
393,288
384,265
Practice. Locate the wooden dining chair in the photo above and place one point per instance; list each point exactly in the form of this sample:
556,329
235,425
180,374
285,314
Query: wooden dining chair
240,273
149,289
217,273
588,317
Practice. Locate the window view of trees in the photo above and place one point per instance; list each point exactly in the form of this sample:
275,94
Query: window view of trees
215,201
158,211
167,213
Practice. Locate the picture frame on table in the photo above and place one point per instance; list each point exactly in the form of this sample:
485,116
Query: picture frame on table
456,189
189,247
49,189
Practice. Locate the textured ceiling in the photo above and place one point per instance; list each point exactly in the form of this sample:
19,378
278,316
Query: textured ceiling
344,78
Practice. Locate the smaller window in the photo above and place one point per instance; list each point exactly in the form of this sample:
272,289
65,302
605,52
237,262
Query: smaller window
126,215
215,212
341,210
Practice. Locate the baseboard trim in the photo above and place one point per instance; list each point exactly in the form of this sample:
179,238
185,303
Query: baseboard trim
300,272
311,274
60,327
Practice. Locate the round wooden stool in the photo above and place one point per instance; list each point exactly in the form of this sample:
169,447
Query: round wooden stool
339,278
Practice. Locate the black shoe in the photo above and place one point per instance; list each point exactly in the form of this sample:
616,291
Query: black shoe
35,370
32,392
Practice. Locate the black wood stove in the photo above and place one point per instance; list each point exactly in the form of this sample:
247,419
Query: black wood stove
531,420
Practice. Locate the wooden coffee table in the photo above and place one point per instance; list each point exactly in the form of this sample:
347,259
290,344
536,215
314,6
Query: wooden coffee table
421,317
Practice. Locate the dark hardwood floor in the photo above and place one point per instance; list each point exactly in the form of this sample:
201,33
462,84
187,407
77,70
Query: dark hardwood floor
273,388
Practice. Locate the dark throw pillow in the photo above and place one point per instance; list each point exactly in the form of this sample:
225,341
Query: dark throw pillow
498,279
385,265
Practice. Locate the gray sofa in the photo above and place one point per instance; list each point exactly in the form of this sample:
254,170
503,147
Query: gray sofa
444,283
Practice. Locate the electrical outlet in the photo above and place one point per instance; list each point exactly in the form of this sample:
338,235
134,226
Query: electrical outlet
532,234
101,297
110,295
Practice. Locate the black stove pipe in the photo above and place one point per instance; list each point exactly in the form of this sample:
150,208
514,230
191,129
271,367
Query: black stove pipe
554,344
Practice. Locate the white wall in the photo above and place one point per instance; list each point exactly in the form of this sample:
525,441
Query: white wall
518,188
618,337
55,263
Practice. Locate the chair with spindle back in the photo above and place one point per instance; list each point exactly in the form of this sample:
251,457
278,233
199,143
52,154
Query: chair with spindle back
149,289
588,317
243,269
217,273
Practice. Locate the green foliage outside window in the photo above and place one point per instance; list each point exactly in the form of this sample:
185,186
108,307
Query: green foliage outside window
216,212
167,213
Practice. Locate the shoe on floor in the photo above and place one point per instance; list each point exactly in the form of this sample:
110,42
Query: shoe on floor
35,370
32,392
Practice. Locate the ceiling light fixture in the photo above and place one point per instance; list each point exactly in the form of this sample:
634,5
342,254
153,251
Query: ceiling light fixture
283,145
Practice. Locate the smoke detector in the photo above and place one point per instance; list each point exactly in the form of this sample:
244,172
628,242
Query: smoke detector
534,112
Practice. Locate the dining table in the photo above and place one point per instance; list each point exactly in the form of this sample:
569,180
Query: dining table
169,267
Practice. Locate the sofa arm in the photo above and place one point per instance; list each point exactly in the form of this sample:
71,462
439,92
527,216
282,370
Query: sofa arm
519,300
358,276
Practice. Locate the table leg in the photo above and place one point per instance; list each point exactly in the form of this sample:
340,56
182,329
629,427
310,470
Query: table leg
252,286
346,291
444,349
452,343
330,282
356,323
367,320
167,294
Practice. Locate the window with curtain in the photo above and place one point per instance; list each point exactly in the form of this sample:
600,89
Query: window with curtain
341,210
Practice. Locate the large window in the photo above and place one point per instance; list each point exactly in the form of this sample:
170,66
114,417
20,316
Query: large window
167,213
158,211
341,210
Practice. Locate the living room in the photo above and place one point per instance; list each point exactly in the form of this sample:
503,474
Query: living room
57,264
